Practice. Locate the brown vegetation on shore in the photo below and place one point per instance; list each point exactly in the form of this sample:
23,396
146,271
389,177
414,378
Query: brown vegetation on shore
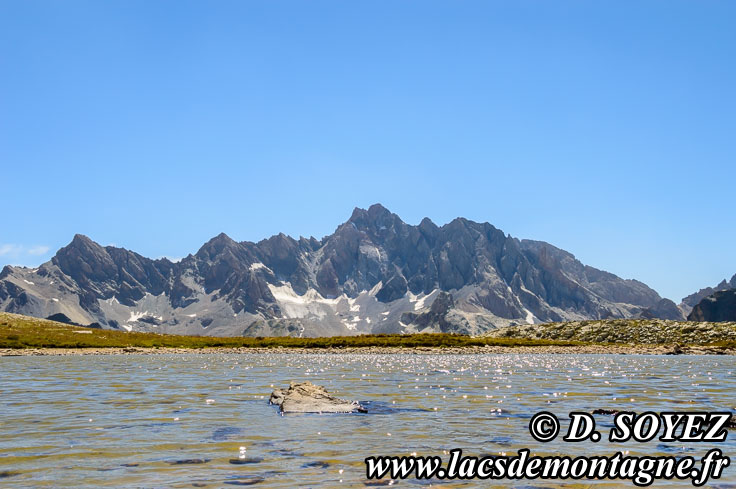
23,335
17,332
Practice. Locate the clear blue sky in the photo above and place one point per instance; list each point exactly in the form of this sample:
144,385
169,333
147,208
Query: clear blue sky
606,128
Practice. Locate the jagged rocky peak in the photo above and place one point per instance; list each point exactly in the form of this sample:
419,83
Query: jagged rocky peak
375,273
718,307
375,219
428,229
217,245
689,302
86,261
6,271
712,303
82,242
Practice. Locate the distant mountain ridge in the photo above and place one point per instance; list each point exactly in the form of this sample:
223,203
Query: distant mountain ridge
717,304
718,307
375,273
689,302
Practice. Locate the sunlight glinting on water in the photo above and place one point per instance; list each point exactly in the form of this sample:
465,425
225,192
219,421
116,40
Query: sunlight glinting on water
204,420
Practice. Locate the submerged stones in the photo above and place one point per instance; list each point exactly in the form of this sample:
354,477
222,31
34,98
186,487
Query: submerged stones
190,461
306,397
226,433
605,411
246,481
245,461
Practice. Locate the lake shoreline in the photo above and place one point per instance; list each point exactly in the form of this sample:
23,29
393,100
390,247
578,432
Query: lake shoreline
383,350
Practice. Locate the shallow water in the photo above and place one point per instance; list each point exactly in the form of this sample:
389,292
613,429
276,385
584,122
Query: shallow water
180,420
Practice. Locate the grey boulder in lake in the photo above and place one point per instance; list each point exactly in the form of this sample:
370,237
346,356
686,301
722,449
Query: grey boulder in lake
306,397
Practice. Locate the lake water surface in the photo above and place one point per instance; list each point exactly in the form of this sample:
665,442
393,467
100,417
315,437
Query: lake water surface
180,420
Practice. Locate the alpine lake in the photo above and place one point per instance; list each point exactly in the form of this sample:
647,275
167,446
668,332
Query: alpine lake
204,420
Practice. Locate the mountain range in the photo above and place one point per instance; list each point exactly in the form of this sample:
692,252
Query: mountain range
374,274
689,302
712,303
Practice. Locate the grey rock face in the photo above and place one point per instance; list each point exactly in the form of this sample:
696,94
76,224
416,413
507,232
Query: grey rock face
374,274
306,397
692,300
718,307
664,309
438,314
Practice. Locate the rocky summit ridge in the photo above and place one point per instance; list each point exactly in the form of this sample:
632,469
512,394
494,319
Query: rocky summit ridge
374,274
690,302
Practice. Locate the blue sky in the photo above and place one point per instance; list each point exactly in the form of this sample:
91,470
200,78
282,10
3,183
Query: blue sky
605,128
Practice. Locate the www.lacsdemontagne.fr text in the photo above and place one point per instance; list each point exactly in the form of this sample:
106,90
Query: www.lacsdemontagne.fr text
641,471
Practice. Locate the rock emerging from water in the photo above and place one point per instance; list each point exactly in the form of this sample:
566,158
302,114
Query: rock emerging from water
605,411
306,397
675,350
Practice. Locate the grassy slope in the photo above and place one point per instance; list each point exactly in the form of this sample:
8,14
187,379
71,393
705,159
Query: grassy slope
18,331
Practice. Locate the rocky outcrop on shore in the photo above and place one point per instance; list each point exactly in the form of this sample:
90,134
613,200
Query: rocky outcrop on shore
612,349
305,397
636,331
